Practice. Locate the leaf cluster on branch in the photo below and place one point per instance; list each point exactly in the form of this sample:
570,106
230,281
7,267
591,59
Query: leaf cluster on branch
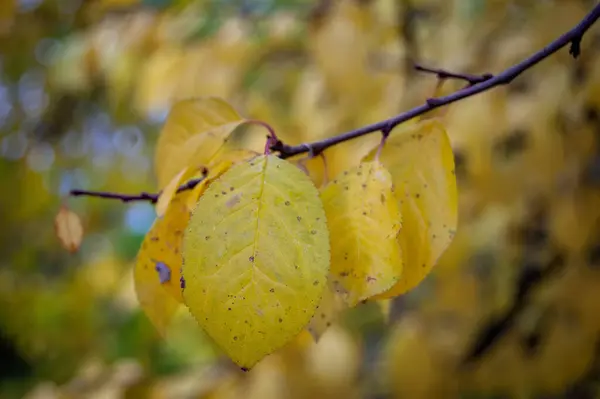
258,253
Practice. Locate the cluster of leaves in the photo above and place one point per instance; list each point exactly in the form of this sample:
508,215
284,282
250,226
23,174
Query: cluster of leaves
254,248
526,159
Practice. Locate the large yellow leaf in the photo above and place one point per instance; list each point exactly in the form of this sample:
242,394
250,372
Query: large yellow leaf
194,132
256,257
364,222
157,270
421,163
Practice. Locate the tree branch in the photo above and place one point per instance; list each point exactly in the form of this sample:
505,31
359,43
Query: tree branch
444,74
477,84
143,196
572,38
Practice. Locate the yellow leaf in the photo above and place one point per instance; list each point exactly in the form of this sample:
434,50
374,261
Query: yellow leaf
421,163
171,189
215,170
256,257
364,222
68,229
157,270
327,313
194,132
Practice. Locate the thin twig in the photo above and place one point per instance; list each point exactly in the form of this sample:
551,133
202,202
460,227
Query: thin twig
443,74
143,196
572,37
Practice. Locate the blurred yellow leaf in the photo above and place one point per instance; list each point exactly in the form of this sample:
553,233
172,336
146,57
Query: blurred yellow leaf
256,257
330,306
364,221
194,132
421,162
68,229
157,270
7,12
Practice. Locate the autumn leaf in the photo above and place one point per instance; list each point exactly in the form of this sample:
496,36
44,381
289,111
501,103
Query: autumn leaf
219,166
364,222
421,163
327,313
157,271
68,229
256,257
193,134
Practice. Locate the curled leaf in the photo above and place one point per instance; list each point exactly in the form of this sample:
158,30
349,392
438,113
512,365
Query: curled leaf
421,163
157,271
193,134
216,169
327,313
171,189
256,257
69,230
364,222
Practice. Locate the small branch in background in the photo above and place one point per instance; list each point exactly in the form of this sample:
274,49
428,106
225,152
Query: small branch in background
490,334
572,38
443,74
407,18
143,196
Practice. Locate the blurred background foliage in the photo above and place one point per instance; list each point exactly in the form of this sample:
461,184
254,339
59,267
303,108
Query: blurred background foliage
513,307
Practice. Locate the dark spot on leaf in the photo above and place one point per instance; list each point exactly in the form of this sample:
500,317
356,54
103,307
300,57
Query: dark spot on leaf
272,290
382,198
182,282
245,369
346,188
251,259
287,203
328,324
364,185
322,315
207,238
164,273
280,320
230,188
417,195
234,338
228,308
364,213
316,282
153,238
298,218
